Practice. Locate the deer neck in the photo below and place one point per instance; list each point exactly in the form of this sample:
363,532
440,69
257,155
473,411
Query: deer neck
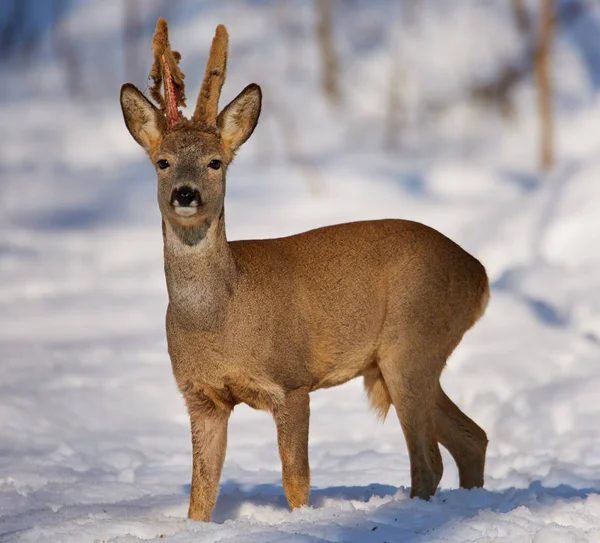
201,277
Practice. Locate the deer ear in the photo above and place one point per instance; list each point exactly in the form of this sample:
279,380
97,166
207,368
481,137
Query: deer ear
239,118
144,121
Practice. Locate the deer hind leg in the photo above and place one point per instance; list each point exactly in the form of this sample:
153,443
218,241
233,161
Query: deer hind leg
412,384
291,419
464,439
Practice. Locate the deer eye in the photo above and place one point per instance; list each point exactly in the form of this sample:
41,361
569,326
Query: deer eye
163,164
214,164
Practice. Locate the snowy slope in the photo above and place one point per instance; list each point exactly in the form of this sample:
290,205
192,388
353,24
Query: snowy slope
94,437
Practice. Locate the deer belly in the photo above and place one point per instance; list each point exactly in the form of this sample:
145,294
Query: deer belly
338,370
258,393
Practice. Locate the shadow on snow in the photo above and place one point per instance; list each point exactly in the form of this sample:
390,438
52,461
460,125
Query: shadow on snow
342,512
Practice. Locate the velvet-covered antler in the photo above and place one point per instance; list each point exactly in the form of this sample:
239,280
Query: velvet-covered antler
207,105
166,70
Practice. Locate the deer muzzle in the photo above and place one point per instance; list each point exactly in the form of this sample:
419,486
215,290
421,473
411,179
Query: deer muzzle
185,200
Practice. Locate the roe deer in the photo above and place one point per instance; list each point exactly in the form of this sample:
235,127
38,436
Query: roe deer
266,322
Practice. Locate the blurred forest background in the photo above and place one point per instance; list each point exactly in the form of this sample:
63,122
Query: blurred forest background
417,77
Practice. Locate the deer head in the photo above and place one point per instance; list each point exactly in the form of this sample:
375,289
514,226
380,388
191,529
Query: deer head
191,156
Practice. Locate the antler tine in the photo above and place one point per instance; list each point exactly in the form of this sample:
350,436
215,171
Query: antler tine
166,70
216,67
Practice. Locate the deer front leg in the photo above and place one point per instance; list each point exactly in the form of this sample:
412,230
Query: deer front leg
292,419
209,442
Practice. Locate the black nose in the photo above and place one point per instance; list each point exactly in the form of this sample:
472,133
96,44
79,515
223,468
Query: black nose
184,196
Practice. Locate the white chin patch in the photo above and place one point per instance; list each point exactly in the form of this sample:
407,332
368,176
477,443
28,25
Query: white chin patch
185,211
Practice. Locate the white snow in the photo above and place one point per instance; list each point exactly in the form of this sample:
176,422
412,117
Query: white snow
94,437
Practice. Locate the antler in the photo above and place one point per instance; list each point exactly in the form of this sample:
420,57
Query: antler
208,99
165,69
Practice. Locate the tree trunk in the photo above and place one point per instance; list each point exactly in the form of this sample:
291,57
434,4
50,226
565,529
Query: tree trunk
66,51
521,17
132,32
544,84
396,112
329,60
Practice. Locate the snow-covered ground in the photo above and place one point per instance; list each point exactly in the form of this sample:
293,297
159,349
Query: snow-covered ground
94,437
